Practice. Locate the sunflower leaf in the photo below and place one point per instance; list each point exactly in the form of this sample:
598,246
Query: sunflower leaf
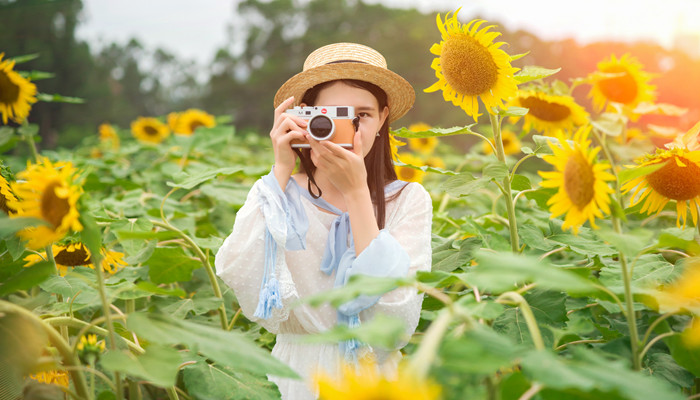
531,73
426,168
27,278
611,124
514,111
381,331
496,170
36,75
9,226
57,98
433,132
518,56
24,58
627,175
463,184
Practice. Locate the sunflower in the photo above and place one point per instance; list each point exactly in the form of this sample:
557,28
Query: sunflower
583,192
689,140
187,122
6,196
395,144
549,113
46,191
677,179
471,66
108,135
73,255
55,377
149,130
172,120
691,335
621,81
408,174
17,94
511,143
364,382
89,349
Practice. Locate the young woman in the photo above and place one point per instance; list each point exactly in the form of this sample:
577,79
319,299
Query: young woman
343,214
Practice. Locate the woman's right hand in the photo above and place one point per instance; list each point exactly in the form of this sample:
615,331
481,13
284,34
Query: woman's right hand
285,129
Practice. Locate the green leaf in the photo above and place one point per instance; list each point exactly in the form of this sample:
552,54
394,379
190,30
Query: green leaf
448,256
77,285
520,182
631,243
158,365
186,181
686,357
27,278
611,124
433,132
531,73
10,226
534,238
514,111
664,366
227,348
479,350
548,309
518,56
381,331
36,75
628,174
500,272
650,270
57,98
24,58
91,235
463,184
357,285
496,170
205,381
589,372
425,168
170,264
152,288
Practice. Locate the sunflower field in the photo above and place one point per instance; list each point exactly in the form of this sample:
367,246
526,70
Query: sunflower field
565,246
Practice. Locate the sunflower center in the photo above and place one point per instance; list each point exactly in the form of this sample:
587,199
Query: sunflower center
675,182
620,89
74,257
9,92
407,173
150,131
195,124
54,208
579,180
467,65
544,110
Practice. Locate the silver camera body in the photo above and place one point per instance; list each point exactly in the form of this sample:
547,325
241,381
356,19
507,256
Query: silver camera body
337,124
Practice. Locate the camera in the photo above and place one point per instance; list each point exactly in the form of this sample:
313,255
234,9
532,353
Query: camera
337,124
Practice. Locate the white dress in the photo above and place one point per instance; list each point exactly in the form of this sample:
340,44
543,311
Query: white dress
240,264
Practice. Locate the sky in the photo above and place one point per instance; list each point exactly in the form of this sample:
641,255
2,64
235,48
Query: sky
194,30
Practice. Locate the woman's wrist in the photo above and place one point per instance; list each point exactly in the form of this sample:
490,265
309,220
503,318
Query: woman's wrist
282,174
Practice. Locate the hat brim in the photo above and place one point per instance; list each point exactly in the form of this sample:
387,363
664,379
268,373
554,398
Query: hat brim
400,93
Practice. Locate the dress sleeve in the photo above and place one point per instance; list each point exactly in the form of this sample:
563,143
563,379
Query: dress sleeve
240,261
411,228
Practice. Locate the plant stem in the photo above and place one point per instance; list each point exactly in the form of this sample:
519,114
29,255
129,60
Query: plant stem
422,360
510,207
97,262
32,147
64,349
205,262
59,297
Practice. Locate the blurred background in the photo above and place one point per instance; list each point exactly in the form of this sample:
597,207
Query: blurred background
147,58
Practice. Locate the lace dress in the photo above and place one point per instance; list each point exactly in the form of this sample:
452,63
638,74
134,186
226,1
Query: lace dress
298,223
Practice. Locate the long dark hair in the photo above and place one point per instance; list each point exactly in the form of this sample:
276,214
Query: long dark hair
378,163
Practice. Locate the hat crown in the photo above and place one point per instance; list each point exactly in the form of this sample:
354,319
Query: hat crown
344,52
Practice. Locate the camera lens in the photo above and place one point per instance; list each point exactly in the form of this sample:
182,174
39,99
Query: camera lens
321,127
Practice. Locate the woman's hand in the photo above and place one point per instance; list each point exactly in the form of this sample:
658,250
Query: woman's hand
285,129
344,168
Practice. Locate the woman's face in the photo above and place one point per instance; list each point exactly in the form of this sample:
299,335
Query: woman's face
366,107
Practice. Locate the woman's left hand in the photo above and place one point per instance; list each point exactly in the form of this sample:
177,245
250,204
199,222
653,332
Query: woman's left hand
345,168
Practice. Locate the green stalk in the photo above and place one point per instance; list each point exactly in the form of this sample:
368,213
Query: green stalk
32,147
626,275
96,259
64,349
59,297
422,360
205,262
510,207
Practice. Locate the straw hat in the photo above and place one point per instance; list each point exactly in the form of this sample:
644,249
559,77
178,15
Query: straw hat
349,61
